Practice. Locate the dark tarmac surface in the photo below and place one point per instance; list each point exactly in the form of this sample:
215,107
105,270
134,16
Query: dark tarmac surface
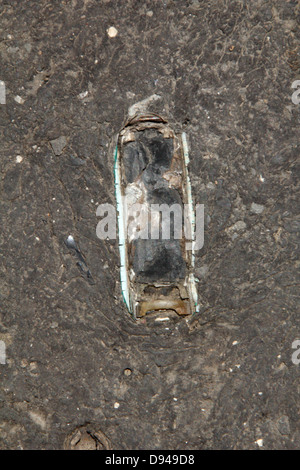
74,359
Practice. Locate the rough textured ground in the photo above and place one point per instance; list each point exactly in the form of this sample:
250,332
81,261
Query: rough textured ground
224,71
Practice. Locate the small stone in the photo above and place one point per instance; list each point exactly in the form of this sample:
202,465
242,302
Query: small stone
38,418
259,442
83,95
195,5
116,405
58,144
19,99
23,363
33,366
256,208
162,319
19,158
127,372
112,32
238,226
130,95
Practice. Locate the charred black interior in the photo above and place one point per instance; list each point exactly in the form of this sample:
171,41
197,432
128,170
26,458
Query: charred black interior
149,157
151,154
158,260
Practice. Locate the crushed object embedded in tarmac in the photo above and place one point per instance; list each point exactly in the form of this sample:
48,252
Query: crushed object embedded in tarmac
151,172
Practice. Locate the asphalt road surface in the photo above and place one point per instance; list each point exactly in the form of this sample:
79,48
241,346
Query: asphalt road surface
76,371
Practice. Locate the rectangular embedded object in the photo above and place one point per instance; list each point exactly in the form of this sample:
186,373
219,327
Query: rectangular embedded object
155,218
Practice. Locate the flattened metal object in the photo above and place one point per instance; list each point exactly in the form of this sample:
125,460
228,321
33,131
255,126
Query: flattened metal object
151,173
